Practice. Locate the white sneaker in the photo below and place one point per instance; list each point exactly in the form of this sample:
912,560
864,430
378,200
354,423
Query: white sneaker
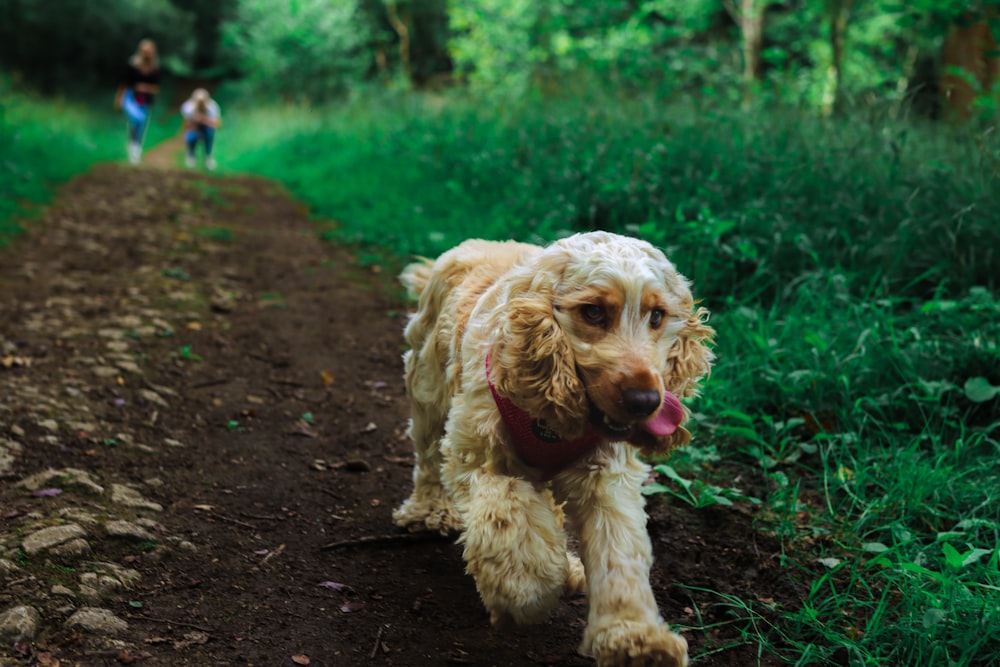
190,161
134,153
210,163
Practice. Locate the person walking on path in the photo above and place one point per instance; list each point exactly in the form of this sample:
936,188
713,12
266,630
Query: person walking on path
136,91
202,118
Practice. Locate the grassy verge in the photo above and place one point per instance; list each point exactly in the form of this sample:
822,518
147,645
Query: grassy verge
45,141
851,270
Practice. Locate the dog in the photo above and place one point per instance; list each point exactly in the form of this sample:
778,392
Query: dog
536,376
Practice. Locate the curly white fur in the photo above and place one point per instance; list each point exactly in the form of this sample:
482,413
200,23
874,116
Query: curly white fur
593,329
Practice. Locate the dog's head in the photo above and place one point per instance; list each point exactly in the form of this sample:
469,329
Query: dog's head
601,329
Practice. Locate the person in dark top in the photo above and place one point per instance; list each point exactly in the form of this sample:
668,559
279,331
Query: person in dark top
138,87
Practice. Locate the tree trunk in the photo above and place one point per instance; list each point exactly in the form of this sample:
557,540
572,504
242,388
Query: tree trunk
749,16
752,27
404,37
839,17
969,47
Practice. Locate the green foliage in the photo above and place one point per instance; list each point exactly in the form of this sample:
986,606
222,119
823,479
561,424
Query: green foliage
297,49
67,44
43,143
773,199
848,264
694,492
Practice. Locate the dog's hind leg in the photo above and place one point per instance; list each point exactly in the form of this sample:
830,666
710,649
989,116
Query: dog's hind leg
429,506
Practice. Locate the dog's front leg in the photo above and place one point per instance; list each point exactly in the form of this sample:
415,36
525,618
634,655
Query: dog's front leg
606,507
515,547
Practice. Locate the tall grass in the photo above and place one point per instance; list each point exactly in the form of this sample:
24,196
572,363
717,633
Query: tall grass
769,195
851,269
45,141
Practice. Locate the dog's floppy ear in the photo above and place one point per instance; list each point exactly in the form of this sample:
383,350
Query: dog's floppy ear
532,363
690,358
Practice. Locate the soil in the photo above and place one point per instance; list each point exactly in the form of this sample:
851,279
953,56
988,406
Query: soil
188,336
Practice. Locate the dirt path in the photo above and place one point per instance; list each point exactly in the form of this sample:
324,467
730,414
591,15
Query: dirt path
202,439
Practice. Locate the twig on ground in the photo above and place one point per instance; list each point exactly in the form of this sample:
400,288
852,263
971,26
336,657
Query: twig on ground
381,539
289,383
209,383
228,519
378,640
262,517
140,617
276,552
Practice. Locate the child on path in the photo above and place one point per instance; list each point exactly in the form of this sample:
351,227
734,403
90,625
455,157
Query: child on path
201,118
136,91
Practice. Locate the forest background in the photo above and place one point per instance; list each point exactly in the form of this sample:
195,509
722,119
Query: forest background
826,171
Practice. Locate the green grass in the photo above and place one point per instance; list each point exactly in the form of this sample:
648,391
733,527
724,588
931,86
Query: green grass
850,266
46,141
851,269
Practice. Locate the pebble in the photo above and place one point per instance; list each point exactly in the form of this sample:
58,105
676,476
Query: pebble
66,476
46,538
129,497
153,398
19,624
97,620
128,529
72,549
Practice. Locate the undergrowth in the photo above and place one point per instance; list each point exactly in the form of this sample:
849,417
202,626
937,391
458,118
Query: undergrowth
45,141
850,268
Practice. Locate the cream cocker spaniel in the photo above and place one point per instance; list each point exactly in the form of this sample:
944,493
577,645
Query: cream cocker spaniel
535,376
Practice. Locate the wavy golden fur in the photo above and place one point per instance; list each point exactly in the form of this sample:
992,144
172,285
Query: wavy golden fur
594,329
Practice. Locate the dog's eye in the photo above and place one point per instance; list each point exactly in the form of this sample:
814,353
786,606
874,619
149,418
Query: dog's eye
593,314
656,318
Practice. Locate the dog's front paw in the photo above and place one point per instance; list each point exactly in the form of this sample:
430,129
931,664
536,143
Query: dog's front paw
576,579
436,514
632,644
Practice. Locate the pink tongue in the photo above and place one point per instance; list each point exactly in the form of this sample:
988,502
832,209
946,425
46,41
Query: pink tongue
670,416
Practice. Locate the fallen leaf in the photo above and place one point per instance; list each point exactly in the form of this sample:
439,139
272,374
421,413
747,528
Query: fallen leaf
190,639
326,377
304,429
828,562
300,659
10,361
335,586
194,326
126,657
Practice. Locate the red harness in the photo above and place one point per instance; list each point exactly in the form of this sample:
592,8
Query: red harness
538,445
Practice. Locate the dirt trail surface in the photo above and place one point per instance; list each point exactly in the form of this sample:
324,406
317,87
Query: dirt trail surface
202,439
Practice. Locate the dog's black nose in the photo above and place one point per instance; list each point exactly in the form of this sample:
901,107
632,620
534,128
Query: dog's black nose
641,402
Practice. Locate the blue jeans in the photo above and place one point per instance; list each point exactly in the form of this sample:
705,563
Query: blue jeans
137,116
203,132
